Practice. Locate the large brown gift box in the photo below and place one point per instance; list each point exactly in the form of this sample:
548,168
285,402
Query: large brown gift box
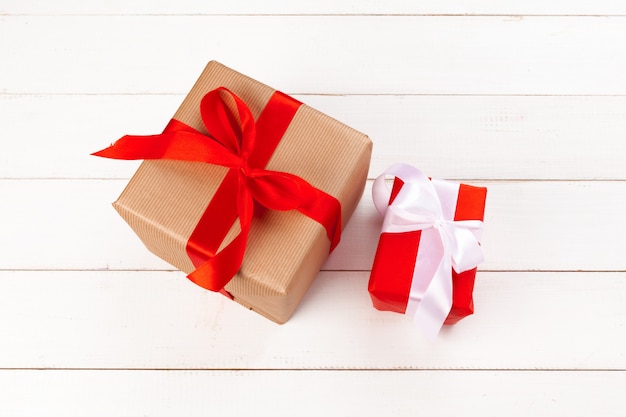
164,200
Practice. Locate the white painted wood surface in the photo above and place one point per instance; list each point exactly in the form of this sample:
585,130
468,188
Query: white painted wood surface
527,98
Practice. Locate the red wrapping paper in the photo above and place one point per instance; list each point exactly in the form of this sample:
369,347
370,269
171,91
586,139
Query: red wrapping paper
396,254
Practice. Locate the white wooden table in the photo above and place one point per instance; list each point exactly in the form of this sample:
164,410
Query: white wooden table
526,98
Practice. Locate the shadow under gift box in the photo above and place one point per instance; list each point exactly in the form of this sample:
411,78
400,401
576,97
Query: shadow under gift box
164,200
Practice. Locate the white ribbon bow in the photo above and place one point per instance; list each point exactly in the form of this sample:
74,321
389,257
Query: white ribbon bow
429,206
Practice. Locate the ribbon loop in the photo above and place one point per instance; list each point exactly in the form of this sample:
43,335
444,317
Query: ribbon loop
426,205
234,142
233,131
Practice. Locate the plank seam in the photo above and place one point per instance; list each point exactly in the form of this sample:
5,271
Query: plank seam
308,94
9,369
399,15
497,271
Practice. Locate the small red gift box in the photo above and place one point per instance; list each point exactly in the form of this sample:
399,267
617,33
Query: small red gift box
425,263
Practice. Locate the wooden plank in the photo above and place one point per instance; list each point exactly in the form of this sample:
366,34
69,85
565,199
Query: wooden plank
439,55
312,393
503,97
560,225
160,320
353,7
465,137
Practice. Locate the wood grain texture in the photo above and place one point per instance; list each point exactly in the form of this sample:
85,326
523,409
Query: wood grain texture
319,7
306,54
329,393
159,320
69,224
460,137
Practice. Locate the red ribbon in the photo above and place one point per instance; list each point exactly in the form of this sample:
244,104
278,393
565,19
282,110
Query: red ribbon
237,142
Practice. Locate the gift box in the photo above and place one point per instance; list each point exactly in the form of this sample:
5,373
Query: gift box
287,178
429,247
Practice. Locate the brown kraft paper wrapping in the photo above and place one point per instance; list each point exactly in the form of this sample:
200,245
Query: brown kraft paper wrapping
164,200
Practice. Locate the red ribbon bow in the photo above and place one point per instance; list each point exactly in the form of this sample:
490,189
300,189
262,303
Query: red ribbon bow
236,142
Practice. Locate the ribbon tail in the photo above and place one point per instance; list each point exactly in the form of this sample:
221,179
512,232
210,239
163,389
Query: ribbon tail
436,304
181,145
463,245
326,210
215,273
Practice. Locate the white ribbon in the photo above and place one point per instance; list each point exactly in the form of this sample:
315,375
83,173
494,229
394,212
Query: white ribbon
429,206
